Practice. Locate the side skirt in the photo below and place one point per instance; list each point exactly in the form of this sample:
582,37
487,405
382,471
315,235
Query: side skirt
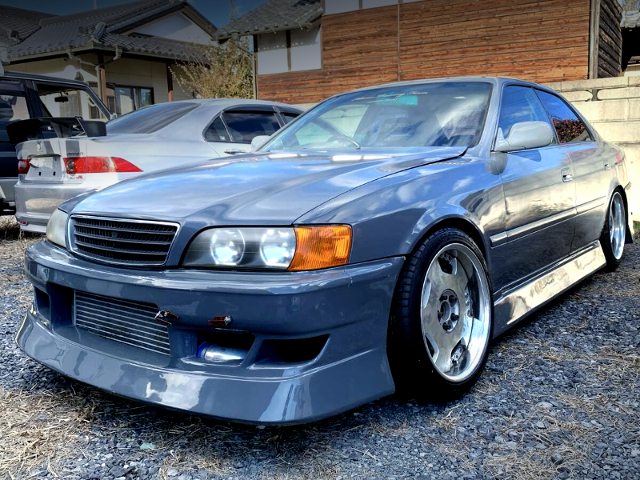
521,301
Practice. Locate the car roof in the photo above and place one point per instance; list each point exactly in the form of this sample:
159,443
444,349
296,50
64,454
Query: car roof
493,80
47,78
231,102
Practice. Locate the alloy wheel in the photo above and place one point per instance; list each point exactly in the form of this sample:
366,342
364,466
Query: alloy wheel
617,225
456,312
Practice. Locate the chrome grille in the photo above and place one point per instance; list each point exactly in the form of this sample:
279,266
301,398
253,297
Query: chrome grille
122,241
123,321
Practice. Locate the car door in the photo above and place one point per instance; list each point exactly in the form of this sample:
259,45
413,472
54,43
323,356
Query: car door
14,106
539,194
232,130
591,163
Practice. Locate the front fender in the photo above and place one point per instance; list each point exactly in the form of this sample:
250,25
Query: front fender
391,215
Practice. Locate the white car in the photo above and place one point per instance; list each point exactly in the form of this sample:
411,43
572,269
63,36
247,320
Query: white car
53,170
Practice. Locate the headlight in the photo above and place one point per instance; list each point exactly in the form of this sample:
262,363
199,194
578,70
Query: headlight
57,228
280,248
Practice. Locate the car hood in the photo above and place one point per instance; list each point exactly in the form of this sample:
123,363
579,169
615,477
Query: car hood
262,189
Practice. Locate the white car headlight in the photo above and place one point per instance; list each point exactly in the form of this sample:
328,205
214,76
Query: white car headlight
57,228
280,248
242,247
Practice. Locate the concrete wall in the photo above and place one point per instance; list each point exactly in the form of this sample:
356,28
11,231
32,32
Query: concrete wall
615,114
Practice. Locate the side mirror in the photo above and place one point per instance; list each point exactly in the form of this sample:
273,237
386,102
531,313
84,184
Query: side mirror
259,141
525,135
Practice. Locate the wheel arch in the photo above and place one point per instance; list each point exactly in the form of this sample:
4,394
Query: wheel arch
623,194
461,223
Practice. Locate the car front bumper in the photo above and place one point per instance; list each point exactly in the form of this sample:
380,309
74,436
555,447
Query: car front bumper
346,308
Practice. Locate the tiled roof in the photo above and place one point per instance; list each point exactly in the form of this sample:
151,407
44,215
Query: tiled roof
155,46
273,16
17,23
104,28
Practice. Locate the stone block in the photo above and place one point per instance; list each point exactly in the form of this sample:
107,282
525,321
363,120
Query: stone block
578,96
619,132
634,109
594,83
617,93
612,110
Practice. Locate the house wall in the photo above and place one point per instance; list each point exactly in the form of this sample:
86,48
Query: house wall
609,39
543,41
176,27
130,72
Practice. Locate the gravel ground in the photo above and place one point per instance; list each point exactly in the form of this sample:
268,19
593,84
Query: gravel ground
559,399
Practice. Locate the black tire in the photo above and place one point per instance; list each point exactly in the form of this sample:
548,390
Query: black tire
605,238
413,371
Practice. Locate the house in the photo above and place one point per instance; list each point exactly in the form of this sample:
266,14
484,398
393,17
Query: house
309,49
125,52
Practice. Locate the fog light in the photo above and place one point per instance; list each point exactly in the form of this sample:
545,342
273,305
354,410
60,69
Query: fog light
221,355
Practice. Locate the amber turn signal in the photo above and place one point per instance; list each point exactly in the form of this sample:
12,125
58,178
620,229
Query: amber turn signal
321,246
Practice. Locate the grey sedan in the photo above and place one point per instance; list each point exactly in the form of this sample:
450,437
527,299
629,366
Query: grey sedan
153,138
378,243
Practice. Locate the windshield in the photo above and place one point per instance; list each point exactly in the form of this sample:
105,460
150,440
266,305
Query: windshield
447,114
150,119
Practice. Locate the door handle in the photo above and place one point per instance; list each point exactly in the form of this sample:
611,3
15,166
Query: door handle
234,151
567,175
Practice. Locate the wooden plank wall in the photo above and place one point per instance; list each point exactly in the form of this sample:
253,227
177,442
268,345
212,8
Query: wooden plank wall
538,40
610,39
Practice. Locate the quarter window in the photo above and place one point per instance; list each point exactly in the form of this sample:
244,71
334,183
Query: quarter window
569,127
520,104
288,117
217,132
243,126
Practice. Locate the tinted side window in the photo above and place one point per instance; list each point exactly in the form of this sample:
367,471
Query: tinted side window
13,107
568,126
217,132
520,104
289,116
243,126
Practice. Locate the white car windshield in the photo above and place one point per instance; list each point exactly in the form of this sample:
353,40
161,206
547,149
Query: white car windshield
447,114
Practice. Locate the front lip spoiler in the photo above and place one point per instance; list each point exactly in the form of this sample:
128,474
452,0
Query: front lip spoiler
270,401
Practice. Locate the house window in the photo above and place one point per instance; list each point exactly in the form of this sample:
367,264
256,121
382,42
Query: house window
289,51
128,99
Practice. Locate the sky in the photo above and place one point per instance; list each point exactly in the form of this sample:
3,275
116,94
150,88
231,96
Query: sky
217,11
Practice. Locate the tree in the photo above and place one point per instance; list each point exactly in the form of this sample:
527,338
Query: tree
219,71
